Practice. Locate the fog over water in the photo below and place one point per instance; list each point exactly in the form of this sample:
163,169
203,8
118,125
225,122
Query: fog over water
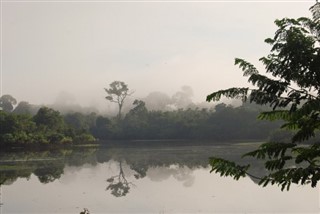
68,52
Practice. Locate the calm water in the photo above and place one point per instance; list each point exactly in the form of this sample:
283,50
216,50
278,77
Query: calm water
139,180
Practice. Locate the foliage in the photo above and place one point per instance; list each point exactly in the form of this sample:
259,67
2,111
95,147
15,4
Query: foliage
47,127
84,138
228,168
49,119
293,92
7,102
117,93
224,123
25,108
77,120
100,129
135,123
16,128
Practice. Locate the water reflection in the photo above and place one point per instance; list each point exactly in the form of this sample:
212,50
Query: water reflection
118,184
149,180
160,163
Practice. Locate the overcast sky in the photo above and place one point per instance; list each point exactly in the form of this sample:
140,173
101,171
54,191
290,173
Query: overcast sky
53,48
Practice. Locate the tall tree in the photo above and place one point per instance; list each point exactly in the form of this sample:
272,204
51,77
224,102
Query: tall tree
117,93
293,92
7,102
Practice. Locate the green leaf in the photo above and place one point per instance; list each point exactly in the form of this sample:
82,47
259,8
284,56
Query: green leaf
227,168
275,115
247,68
230,93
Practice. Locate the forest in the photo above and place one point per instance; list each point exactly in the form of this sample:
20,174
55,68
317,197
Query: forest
31,126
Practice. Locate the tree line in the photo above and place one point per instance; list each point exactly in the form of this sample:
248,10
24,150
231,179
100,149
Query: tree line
49,127
46,128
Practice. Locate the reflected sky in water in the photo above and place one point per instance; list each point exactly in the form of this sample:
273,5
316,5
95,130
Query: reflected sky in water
157,188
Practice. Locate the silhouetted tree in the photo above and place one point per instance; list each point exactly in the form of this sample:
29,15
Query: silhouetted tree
293,92
117,93
7,102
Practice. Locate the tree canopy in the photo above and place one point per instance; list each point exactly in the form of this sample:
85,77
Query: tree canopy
117,93
32,126
293,91
7,102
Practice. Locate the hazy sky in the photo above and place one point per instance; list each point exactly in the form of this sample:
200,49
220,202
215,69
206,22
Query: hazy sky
54,48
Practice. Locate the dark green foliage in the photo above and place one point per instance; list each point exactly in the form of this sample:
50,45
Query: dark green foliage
231,93
101,128
286,163
293,92
84,138
49,119
80,126
228,168
135,123
16,128
270,150
77,120
224,123
47,127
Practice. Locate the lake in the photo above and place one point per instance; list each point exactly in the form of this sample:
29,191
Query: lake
144,179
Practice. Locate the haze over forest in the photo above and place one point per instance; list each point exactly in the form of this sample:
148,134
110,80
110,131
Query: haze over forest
67,52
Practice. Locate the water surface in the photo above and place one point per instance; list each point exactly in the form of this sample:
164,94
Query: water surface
139,180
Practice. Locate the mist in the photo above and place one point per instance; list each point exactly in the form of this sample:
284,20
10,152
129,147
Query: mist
155,101
65,54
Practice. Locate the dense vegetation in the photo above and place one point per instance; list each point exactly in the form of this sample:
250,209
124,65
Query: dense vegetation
293,91
34,126
223,123
49,127
46,128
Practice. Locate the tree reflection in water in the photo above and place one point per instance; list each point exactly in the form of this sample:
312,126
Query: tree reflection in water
157,162
49,174
118,184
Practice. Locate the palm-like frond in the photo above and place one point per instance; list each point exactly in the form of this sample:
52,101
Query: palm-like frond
294,94
230,93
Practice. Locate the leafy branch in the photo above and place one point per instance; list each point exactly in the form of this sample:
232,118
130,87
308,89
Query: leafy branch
294,61
278,162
